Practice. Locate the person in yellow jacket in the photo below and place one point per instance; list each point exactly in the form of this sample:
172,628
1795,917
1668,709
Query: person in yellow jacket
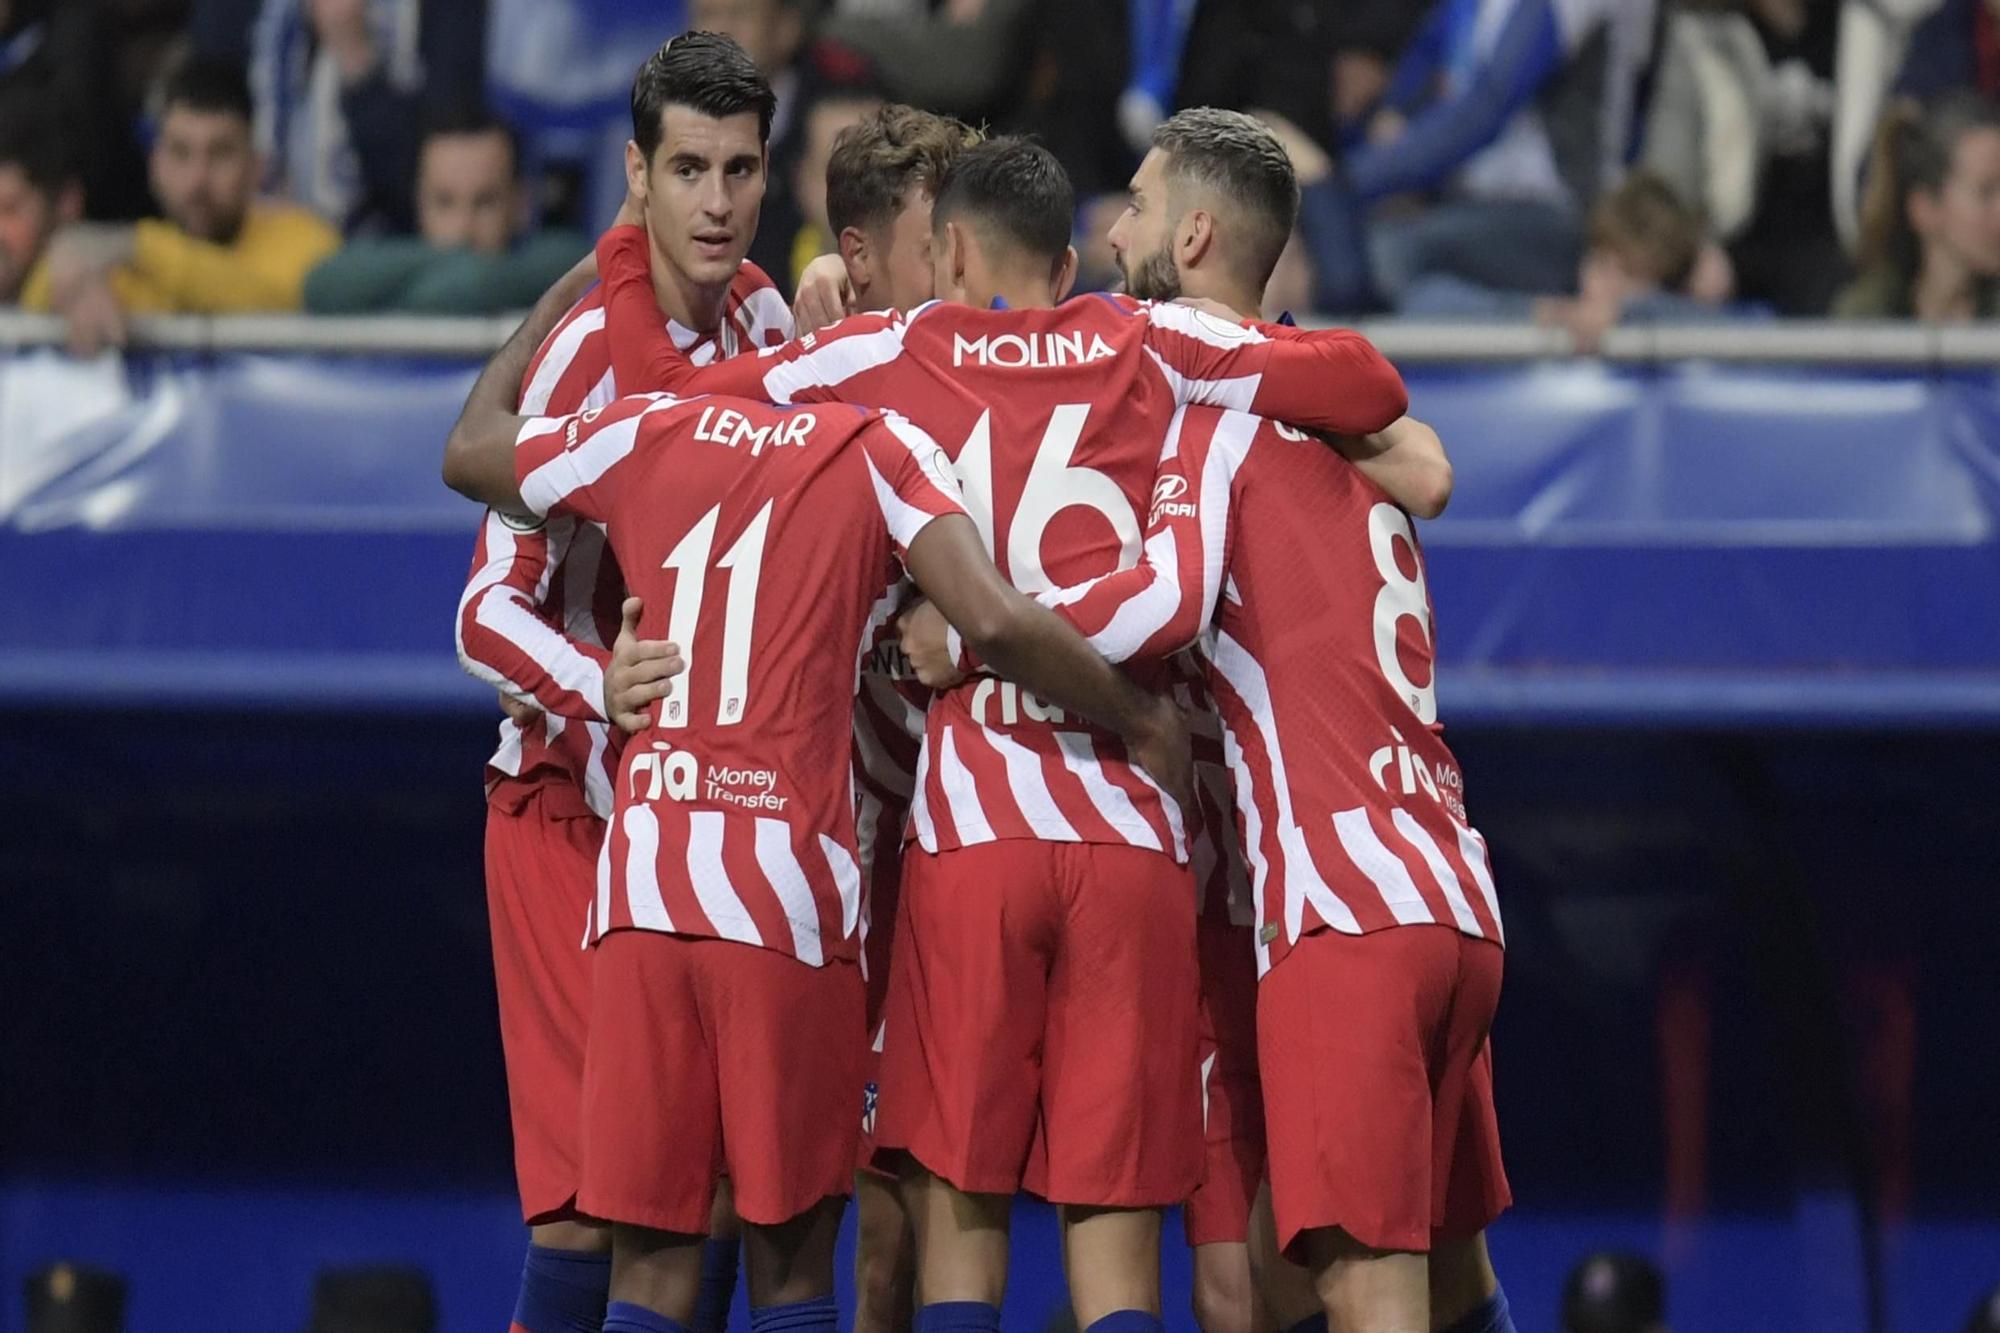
218,250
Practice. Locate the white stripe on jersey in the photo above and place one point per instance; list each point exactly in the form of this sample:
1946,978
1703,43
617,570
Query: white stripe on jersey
1080,757
1031,793
1301,878
781,867
763,308
591,922
905,520
833,361
513,622
961,795
1441,871
1201,326
847,879
575,468
597,790
603,393
1384,869
1472,846
535,398
920,806
1238,393
642,876
712,889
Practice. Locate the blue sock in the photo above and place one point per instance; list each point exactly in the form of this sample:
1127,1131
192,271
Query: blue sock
1491,1317
1126,1321
958,1317
562,1291
1312,1323
819,1315
718,1285
625,1317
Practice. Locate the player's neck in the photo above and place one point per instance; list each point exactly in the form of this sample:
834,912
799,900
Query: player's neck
690,304
1246,301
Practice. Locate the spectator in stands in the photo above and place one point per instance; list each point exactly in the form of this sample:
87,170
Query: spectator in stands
62,58
469,256
1647,258
343,90
1615,1293
965,57
40,190
1930,245
828,116
216,251
1516,112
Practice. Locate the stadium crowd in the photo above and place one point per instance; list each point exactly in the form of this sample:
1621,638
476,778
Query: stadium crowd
1576,163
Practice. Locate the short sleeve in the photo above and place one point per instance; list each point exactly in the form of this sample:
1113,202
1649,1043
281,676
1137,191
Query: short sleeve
913,478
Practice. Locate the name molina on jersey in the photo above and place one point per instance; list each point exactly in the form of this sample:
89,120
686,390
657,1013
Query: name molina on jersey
1031,351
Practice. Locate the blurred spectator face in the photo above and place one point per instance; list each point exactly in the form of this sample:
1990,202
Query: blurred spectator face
769,30
703,190
466,192
204,172
28,216
1962,217
1142,239
824,122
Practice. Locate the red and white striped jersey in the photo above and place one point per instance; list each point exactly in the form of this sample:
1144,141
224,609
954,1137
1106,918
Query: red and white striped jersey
1053,419
542,601
1215,852
765,542
1306,587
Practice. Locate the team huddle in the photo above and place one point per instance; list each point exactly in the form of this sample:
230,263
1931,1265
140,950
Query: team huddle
987,743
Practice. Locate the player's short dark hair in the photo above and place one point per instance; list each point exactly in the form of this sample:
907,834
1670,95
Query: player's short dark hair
1232,156
472,119
704,71
32,141
205,83
1015,190
878,161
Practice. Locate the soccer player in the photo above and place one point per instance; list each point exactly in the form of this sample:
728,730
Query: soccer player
882,179
1209,210
1384,1156
542,601
1057,1052
726,1023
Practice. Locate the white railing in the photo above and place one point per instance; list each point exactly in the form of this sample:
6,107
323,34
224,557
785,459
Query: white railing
1408,341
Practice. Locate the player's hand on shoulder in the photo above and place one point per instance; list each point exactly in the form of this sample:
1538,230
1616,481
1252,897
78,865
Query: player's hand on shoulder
1160,745
926,642
825,296
640,672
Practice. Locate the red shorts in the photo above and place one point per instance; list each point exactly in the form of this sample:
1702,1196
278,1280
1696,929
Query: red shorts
1041,1023
709,1055
1378,1087
541,873
1232,1096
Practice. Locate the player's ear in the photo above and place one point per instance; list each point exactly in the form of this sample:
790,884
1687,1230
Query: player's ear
1197,236
635,170
1065,273
854,252
954,254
